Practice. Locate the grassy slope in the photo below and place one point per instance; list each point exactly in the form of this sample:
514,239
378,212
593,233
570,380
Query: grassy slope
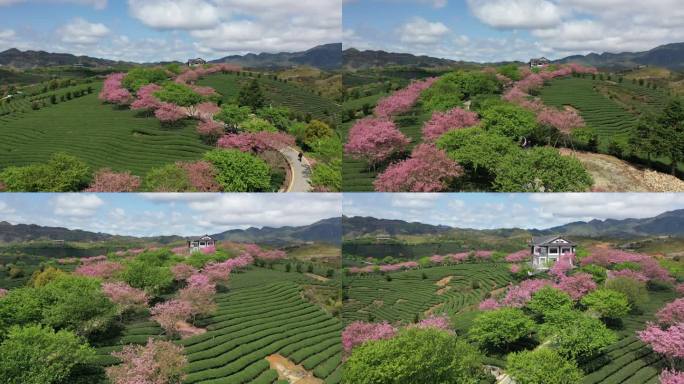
100,134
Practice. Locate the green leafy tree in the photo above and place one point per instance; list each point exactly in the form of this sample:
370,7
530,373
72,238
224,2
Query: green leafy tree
671,132
501,328
549,299
328,176
542,366
414,356
233,115
576,335
139,77
635,291
62,173
257,125
239,171
178,94
154,279
607,303
168,178
476,150
279,117
34,354
316,130
643,138
252,96
541,169
585,138
441,96
511,71
509,120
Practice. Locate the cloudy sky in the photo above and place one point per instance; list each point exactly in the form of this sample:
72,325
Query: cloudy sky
502,210
496,30
167,214
154,30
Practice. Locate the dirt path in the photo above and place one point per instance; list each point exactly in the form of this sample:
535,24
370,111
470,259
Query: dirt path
186,329
611,174
294,374
444,282
317,277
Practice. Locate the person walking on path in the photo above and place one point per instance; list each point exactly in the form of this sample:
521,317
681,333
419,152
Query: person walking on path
299,157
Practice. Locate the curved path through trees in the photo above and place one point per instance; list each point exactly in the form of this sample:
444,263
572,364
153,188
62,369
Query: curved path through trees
301,171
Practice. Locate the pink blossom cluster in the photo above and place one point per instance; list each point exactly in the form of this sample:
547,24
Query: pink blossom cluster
201,175
672,313
93,259
199,293
628,273
515,268
257,142
272,255
3,292
205,111
170,113
489,305
668,342
437,259
671,377
649,266
107,180
182,250
182,271
217,272
193,75
561,267
113,91
519,256
429,169
170,313
442,122
531,82
385,267
360,332
203,91
137,251
483,255
103,270
459,257
435,321
402,100
505,81
517,296
157,362
564,121
208,250
375,140
577,285
145,98
125,296
680,289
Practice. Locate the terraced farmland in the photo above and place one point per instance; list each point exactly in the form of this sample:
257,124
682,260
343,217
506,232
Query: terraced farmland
277,93
609,119
629,361
101,135
408,293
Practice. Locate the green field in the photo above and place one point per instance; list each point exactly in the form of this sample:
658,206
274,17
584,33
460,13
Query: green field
100,134
409,294
278,93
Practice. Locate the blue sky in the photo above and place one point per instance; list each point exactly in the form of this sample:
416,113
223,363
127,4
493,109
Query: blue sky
497,30
167,213
506,210
154,30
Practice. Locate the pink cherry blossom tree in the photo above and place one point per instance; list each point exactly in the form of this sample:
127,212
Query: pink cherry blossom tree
182,271
435,321
145,98
517,296
107,180
170,113
519,256
442,122
112,90
672,313
158,362
668,342
564,121
104,270
375,140
170,314
124,296
360,332
201,175
210,130
402,100
577,285
3,292
427,170
257,142
671,377
489,305
200,293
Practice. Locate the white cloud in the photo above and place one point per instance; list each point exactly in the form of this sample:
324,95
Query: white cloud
516,13
80,31
175,14
6,208
421,31
76,204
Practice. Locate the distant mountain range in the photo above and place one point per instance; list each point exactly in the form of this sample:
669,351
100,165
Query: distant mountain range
327,57
323,231
666,224
669,56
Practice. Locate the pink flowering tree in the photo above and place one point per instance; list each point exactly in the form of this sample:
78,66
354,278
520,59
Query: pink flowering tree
360,332
272,255
517,296
680,289
201,175
435,321
668,342
564,121
577,285
171,314
200,293
672,313
483,255
182,271
459,257
104,270
561,267
489,305
402,100
107,180
168,113
3,292
671,377
519,256
113,92
257,142
125,297
375,140
217,272
146,101
442,122
157,362
515,268
210,130
429,169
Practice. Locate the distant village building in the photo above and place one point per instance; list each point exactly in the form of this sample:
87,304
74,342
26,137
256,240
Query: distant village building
383,237
196,62
540,62
206,241
547,249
